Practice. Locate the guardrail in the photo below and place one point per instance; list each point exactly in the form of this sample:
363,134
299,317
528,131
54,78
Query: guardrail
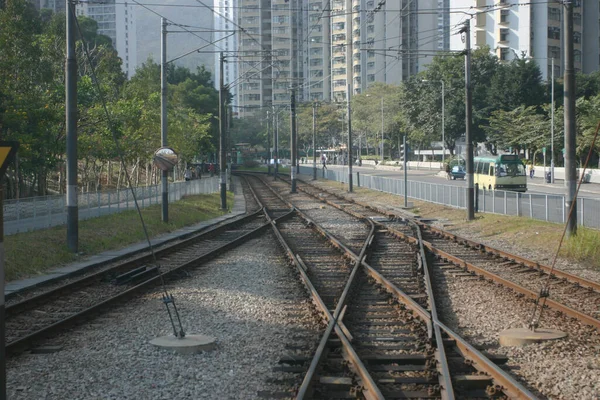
41,212
544,207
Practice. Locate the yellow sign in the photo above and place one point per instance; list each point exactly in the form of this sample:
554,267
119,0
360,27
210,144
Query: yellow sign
7,153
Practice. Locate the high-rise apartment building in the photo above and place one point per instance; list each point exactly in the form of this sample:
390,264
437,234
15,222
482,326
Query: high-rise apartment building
55,5
534,30
225,38
116,20
306,43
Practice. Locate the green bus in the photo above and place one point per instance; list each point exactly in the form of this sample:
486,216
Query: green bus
503,172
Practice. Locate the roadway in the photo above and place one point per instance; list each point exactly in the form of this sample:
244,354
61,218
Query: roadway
537,185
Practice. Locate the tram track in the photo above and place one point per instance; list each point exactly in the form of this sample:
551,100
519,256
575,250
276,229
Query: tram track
373,313
35,318
569,294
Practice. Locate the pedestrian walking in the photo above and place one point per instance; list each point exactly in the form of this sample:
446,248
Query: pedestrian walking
324,161
531,171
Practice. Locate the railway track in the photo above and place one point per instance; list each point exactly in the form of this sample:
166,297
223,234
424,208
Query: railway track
388,342
569,294
37,317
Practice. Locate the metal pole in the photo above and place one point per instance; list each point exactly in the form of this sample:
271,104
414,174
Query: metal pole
405,172
268,143
313,143
223,154
469,135
382,157
552,128
570,134
350,84
2,307
443,124
293,138
71,127
163,118
349,139
276,143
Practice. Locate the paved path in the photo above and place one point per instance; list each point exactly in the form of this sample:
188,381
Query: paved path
106,257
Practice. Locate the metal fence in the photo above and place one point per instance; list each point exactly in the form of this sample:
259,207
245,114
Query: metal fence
46,211
544,207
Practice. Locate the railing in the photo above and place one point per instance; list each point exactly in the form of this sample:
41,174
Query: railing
544,207
33,213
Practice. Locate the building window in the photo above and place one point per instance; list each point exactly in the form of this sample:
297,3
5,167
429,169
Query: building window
554,52
504,16
503,35
553,32
504,54
371,78
554,14
576,37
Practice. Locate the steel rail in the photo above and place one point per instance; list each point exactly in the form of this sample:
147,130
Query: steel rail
444,376
26,341
31,302
335,321
480,362
372,391
515,258
585,318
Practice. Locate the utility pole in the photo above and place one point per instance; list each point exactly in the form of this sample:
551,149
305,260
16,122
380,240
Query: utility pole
443,123
268,143
552,127
404,155
313,144
382,157
71,127
350,85
570,142
293,138
466,30
276,142
223,154
163,118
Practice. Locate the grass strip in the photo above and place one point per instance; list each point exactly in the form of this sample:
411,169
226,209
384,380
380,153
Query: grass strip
33,253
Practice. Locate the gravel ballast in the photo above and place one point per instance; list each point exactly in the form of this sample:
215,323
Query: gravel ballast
249,299
479,310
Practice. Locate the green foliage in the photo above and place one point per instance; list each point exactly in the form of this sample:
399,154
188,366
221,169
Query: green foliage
32,97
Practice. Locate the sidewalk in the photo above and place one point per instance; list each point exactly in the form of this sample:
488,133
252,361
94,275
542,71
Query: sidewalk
14,287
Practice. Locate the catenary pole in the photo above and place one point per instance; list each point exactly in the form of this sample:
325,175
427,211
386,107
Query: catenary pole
404,169
468,133
71,128
268,143
569,102
313,142
276,143
382,156
222,152
163,118
552,127
293,138
443,123
350,85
